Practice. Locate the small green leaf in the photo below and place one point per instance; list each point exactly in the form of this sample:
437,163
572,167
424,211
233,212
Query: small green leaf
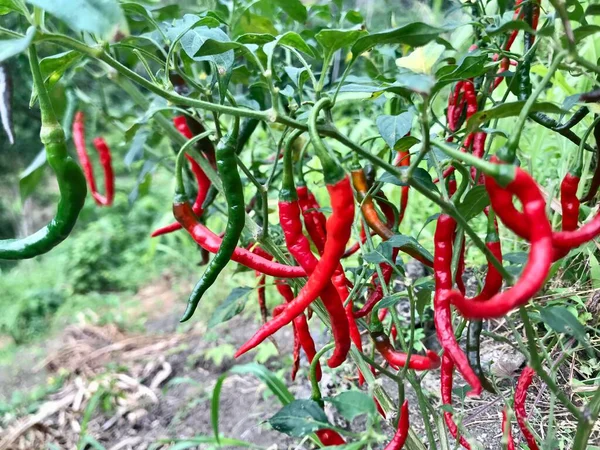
406,143
293,8
254,23
393,128
32,175
299,418
518,258
510,109
584,31
102,17
561,320
474,202
231,306
414,34
423,300
392,300
593,10
12,47
510,25
352,404
405,243
473,65
7,6
214,405
332,40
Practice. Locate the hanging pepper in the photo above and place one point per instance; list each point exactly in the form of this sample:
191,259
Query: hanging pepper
84,159
261,293
296,348
520,396
447,374
506,431
234,194
377,294
6,103
202,181
299,248
443,240
301,328
71,181
339,227
398,359
399,438
540,255
403,160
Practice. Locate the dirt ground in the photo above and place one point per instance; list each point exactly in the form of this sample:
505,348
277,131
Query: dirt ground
156,386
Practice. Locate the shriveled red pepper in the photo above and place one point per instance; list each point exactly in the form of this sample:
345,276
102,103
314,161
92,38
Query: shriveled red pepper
211,242
540,256
201,180
506,430
401,434
88,170
447,374
443,241
296,349
339,227
301,329
520,396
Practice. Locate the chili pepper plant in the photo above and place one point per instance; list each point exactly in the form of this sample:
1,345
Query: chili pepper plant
330,146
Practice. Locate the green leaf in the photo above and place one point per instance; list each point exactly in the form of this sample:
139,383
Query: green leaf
54,67
352,404
510,109
7,6
30,178
561,320
231,306
12,47
404,243
594,271
332,40
510,25
423,300
299,418
253,23
414,34
394,128
392,300
474,202
406,143
584,31
593,10
519,258
102,17
471,66
274,383
293,8
214,405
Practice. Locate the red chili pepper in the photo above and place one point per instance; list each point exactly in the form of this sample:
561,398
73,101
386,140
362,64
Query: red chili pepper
262,301
520,396
301,327
211,242
399,438
296,349
330,437
442,268
506,431
399,359
479,151
447,374
403,160
356,246
299,247
84,159
339,227
539,261
493,279
377,294
201,180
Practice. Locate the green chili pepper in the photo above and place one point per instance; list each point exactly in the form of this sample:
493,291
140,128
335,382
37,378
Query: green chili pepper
71,181
234,194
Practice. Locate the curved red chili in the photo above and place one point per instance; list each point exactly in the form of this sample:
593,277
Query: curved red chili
538,263
520,396
399,438
211,242
442,268
447,374
84,159
399,359
338,227
300,325
202,181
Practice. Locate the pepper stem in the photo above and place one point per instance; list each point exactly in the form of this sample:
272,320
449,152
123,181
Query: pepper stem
579,165
314,383
288,187
332,171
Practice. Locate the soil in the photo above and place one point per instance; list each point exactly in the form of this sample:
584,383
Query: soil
156,386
